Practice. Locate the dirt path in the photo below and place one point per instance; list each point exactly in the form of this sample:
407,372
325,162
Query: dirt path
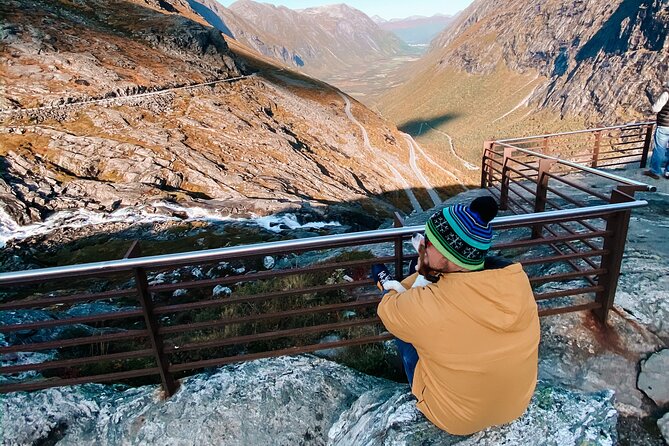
121,98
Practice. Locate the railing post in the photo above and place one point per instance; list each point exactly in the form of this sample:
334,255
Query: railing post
595,151
647,146
485,165
618,224
541,193
545,145
399,250
504,189
169,384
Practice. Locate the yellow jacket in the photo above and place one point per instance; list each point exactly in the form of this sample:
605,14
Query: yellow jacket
477,337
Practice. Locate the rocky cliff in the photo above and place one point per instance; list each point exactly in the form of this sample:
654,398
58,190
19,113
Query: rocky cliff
580,364
516,67
299,400
599,58
252,143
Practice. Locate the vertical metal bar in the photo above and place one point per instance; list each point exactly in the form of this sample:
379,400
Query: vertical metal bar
618,224
646,146
595,151
545,146
484,170
169,384
485,174
504,192
541,193
399,251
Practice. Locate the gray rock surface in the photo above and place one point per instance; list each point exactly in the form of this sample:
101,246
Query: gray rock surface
577,352
654,377
663,424
288,400
555,417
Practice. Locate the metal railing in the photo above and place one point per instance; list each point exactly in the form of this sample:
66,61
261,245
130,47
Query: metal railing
142,318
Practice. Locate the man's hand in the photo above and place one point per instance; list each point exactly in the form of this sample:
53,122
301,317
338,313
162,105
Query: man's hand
380,275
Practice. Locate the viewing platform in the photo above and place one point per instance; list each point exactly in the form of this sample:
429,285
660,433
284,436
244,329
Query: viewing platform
566,203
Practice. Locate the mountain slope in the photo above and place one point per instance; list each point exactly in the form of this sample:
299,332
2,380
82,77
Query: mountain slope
522,67
260,144
319,41
597,47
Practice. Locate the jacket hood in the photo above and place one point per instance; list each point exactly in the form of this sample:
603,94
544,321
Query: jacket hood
497,299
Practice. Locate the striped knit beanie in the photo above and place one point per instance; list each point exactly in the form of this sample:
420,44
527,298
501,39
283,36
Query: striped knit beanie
463,234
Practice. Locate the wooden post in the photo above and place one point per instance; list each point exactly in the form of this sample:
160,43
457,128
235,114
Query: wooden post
169,384
399,250
647,146
504,192
541,193
595,151
618,223
485,175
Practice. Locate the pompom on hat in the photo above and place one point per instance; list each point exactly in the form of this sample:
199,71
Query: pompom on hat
463,234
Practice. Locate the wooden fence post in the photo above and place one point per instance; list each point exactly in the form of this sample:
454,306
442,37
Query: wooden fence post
648,143
504,189
541,193
595,151
485,175
618,224
169,384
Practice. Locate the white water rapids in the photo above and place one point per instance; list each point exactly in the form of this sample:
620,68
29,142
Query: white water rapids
11,230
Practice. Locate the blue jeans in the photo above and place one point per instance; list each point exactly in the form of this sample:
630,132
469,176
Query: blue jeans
658,161
409,358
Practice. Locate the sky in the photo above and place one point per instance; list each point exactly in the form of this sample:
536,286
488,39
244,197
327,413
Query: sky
384,8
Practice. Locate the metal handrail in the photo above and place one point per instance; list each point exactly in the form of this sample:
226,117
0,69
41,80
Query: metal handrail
376,236
576,132
598,172
176,341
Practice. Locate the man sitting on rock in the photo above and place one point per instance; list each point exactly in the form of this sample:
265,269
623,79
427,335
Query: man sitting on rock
469,340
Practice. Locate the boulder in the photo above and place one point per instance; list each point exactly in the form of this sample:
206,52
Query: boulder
288,400
654,377
663,424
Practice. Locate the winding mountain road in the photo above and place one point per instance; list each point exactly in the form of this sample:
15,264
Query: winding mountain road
438,166
464,162
419,173
389,163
